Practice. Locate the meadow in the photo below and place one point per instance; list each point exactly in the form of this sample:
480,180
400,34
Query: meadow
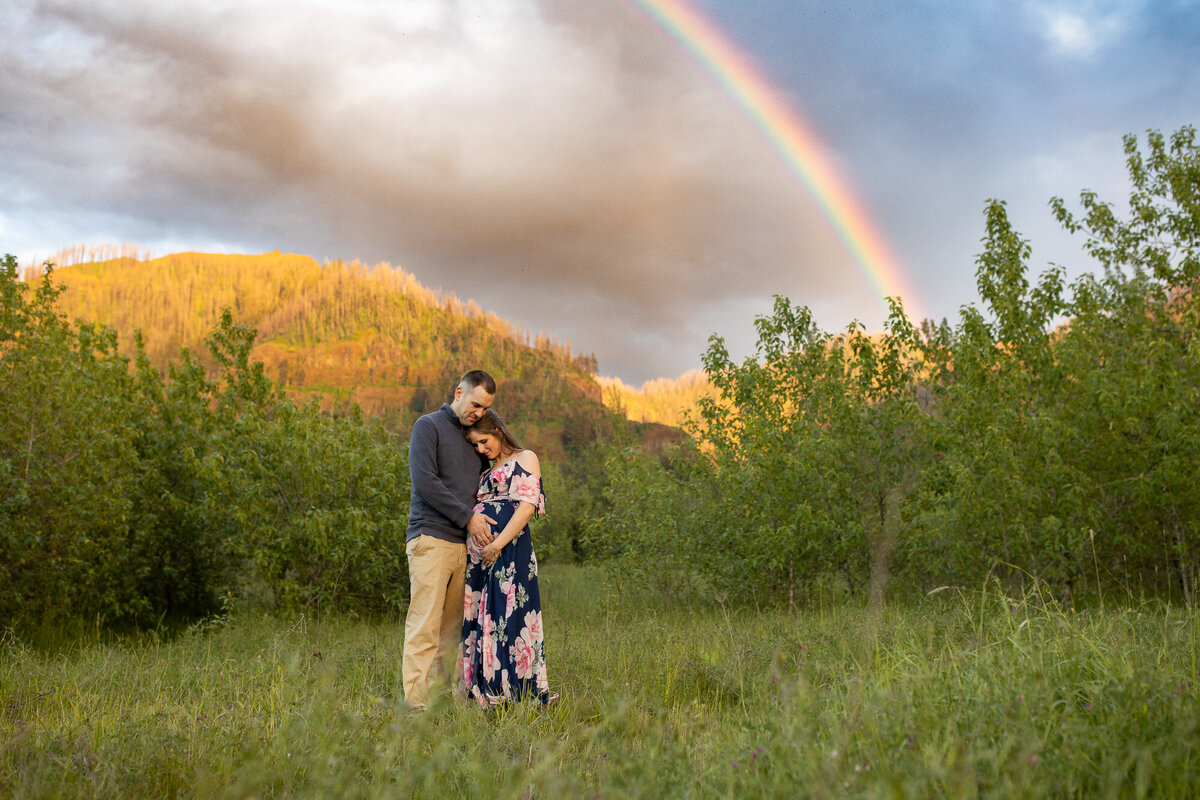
962,693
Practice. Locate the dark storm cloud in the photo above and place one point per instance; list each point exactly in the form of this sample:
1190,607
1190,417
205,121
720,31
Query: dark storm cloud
568,169
567,164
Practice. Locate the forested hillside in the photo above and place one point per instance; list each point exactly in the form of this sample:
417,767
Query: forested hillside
370,336
151,467
164,452
666,401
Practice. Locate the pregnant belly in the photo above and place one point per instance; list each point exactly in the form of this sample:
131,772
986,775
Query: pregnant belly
499,510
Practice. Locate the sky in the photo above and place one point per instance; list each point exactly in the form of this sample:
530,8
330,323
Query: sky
579,167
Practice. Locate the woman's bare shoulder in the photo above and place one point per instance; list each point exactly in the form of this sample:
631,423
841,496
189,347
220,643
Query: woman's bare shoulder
529,460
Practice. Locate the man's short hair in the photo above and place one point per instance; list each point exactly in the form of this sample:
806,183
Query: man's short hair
478,377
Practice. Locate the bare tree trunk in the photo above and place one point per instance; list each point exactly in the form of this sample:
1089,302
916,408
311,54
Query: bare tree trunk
791,589
881,559
1182,564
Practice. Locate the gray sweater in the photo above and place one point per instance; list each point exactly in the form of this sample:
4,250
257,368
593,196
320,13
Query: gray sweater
445,471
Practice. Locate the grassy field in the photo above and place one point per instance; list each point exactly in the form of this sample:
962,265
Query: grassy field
963,694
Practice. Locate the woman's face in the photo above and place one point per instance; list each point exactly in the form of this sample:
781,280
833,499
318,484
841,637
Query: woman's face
487,444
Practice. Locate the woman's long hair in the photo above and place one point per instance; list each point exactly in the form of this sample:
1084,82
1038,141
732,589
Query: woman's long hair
491,423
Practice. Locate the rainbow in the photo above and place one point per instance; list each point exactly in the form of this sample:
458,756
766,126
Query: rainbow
796,143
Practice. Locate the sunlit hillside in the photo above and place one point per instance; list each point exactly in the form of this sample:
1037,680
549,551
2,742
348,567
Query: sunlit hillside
354,334
663,400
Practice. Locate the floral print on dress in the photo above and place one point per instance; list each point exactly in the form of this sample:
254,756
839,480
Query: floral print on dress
503,649
510,481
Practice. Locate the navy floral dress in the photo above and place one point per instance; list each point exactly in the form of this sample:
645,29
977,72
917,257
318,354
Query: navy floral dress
503,654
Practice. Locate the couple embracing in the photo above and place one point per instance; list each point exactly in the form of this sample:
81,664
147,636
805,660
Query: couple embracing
472,571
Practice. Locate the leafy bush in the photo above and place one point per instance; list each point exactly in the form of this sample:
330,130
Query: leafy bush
1046,439
1063,448
131,497
68,465
794,476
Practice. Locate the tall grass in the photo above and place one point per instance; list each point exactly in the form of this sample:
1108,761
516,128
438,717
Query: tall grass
964,694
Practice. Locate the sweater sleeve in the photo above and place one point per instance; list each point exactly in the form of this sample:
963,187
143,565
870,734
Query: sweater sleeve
426,480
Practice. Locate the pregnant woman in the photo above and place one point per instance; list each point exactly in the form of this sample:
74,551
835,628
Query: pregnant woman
503,654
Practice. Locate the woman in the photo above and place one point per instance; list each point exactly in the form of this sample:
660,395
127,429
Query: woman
503,655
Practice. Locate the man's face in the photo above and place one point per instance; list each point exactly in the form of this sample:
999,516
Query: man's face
469,406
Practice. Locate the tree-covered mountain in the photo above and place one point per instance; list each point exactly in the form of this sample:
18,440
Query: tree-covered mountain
352,334
663,400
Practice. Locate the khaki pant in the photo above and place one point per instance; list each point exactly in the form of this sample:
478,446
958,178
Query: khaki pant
433,627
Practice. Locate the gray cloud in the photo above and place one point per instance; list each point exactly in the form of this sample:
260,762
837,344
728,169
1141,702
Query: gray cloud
568,168
567,164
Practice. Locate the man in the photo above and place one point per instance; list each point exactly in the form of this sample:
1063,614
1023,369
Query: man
445,473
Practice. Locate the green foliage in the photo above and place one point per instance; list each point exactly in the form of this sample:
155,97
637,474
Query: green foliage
999,490
644,528
130,497
795,473
574,491
67,461
332,513
139,488
1046,439
1062,450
